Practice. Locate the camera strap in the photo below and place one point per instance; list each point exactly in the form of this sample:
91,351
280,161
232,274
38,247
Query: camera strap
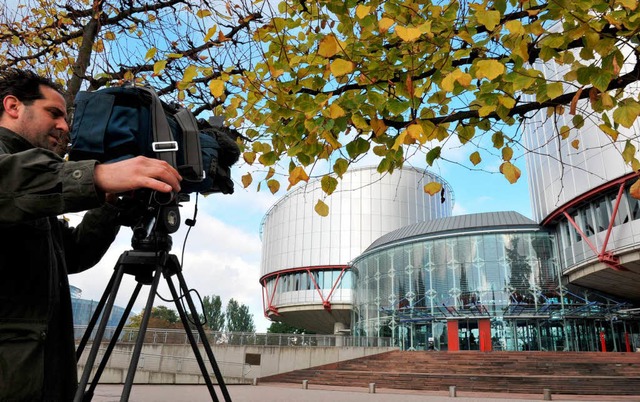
164,145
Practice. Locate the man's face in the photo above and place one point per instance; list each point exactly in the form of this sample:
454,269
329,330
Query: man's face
44,122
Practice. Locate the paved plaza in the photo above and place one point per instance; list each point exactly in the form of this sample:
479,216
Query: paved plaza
295,393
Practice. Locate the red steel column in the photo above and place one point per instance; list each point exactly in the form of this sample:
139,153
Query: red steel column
452,335
484,327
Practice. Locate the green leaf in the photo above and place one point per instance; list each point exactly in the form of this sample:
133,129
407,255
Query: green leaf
601,80
328,184
498,139
433,154
340,167
357,147
629,152
627,113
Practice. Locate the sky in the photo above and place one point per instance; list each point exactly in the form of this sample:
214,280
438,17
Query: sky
223,250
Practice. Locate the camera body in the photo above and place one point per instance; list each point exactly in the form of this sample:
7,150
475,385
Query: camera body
122,122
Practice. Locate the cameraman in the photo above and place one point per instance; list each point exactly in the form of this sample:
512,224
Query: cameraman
37,251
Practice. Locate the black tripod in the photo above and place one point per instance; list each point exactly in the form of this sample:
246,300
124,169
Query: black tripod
149,260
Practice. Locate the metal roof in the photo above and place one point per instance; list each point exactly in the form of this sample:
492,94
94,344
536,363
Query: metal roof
456,224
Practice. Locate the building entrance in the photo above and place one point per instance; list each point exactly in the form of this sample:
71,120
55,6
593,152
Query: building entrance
469,334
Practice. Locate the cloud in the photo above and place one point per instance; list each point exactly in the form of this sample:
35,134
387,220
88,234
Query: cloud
219,258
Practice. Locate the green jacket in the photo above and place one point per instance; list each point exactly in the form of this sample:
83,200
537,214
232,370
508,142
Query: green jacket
37,251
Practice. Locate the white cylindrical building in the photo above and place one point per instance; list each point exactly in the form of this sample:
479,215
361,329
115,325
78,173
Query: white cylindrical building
580,187
305,276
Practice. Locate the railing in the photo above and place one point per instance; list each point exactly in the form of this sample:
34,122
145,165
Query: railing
177,336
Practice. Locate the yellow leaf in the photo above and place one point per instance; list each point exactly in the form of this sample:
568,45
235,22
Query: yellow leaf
329,46
158,66
174,55
217,88
270,173
203,13
399,140
128,76
486,110
321,208
249,157
378,126
515,27
630,4
564,132
475,158
489,69
109,35
151,53
336,111
297,175
510,172
507,153
246,180
274,185
340,67
98,46
415,131
210,33
189,73
634,190
609,131
362,11
384,24
488,18
456,75
331,140
409,34
575,144
433,188
275,73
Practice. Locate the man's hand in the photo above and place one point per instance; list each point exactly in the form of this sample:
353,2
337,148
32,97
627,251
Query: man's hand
136,173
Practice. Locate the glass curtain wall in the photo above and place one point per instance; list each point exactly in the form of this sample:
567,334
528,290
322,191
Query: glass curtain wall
410,291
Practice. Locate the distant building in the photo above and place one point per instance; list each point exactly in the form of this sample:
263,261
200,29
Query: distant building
83,310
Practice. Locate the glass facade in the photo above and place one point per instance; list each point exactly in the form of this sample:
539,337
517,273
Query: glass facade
509,280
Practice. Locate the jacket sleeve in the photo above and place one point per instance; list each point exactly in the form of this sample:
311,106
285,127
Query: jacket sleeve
85,244
37,183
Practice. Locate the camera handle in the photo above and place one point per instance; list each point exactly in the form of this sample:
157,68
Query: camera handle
147,267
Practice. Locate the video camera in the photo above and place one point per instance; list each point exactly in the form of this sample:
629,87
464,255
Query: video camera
122,122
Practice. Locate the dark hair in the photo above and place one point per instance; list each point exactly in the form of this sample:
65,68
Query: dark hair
24,85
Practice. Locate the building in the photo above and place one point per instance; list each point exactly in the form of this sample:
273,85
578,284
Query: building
305,260
567,280
83,310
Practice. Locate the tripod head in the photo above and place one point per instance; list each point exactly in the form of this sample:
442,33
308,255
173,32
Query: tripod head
153,216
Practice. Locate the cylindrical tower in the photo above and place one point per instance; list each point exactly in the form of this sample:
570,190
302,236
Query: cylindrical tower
580,187
305,257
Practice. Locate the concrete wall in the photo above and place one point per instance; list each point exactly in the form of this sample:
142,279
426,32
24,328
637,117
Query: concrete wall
176,364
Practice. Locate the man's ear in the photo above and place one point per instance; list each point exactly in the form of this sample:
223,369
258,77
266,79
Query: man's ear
11,106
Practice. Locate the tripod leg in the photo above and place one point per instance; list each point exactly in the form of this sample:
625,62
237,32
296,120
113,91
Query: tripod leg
135,356
95,316
112,343
192,340
99,335
203,335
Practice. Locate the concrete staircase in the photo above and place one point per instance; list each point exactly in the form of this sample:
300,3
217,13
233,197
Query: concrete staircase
579,373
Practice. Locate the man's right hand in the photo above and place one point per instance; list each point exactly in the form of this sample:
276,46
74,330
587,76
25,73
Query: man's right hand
136,173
